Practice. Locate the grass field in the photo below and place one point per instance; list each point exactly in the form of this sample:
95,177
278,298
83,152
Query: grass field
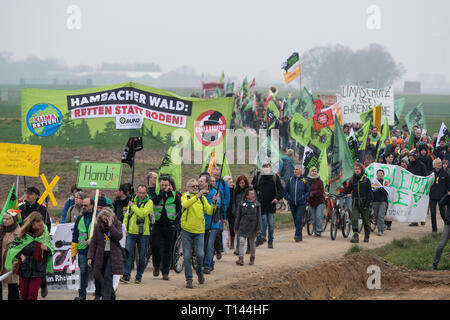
410,253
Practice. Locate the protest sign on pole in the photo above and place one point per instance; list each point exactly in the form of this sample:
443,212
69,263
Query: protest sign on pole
99,175
409,195
20,159
356,100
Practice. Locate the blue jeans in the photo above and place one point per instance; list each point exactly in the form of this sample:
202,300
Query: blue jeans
84,274
317,217
297,214
192,241
208,263
267,219
142,242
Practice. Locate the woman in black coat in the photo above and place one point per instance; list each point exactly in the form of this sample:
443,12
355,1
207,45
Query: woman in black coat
105,252
248,224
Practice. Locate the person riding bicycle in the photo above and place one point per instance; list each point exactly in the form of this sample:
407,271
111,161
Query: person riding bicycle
362,200
166,210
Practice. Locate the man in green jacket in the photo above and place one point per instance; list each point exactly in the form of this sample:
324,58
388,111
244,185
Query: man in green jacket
137,223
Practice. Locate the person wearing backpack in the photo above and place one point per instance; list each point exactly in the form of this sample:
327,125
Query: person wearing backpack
269,191
297,191
287,166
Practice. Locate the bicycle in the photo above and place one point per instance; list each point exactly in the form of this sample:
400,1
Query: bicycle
307,220
177,255
372,221
340,217
328,211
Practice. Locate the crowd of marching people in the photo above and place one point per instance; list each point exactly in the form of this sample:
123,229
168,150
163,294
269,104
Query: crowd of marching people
156,214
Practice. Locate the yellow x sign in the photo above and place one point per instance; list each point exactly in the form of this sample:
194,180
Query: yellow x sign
48,190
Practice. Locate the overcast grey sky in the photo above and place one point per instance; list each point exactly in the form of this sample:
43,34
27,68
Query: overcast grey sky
238,37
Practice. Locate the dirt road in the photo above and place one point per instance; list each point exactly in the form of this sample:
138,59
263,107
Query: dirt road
271,265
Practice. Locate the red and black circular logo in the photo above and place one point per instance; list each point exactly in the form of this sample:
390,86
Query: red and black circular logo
322,119
210,128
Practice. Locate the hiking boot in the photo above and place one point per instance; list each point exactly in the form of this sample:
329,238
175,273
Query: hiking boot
155,271
248,250
388,228
189,284
44,292
270,245
201,278
165,276
206,271
137,281
219,255
355,238
297,239
80,298
125,279
434,267
252,260
317,234
414,224
366,238
380,233
422,223
240,261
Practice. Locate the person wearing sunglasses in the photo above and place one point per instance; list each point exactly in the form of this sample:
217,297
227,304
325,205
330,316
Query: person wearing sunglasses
194,205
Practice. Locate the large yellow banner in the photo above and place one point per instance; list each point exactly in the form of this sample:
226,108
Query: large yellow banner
20,159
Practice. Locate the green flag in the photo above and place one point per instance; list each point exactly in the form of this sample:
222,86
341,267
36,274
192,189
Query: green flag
416,117
226,171
301,129
222,76
321,138
352,144
249,104
362,134
399,106
323,167
170,168
306,104
229,87
245,88
18,244
367,116
268,152
385,134
218,92
10,203
273,113
342,162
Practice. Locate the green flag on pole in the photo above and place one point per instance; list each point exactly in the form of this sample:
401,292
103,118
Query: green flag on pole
268,153
367,116
10,203
306,104
170,167
416,117
321,138
385,134
399,106
273,113
342,162
362,134
300,129
323,167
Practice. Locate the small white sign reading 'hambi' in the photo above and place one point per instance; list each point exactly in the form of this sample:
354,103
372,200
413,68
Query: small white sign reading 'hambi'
129,122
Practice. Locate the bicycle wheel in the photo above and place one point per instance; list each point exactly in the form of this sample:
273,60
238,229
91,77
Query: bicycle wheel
178,260
308,220
325,219
360,225
346,223
333,224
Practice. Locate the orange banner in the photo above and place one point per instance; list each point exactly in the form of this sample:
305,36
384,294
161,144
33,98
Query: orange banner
291,75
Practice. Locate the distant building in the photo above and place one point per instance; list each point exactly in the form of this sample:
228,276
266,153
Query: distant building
411,87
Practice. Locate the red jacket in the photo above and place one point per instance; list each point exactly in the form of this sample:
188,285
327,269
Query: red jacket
317,195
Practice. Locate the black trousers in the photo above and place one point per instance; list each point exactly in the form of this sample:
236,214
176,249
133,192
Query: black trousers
433,204
162,243
106,281
13,291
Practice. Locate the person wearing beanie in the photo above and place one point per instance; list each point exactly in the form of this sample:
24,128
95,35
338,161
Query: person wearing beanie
316,200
